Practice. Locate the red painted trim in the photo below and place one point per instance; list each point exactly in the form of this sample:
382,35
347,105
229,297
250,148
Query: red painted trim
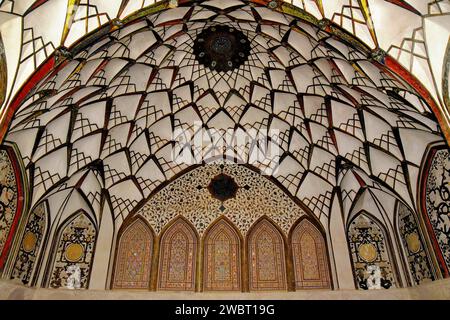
436,247
394,66
261,2
360,180
37,76
19,209
36,4
405,5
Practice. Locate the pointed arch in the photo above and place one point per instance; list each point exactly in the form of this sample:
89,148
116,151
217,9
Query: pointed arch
370,249
31,245
266,257
178,257
12,181
434,198
222,257
132,268
415,251
72,251
309,251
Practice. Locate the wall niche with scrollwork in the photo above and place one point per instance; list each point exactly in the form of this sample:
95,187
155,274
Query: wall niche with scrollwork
436,203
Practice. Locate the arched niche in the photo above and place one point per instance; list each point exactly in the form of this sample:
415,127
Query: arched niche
414,247
222,258
434,200
11,200
266,257
134,256
72,253
178,257
310,260
371,253
27,264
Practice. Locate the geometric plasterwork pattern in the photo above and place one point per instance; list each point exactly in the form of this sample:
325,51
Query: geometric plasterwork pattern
8,199
437,200
189,197
412,240
134,257
29,38
266,257
370,254
310,257
104,119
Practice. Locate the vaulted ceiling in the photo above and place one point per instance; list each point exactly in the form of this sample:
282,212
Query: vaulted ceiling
100,125
415,32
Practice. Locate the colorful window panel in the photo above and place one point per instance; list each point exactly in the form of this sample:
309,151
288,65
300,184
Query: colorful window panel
134,257
310,257
267,270
178,258
222,258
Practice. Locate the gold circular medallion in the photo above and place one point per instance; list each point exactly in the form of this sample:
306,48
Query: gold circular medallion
29,242
368,252
74,252
413,242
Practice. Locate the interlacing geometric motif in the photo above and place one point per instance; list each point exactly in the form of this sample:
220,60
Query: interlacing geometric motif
310,257
266,258
74,246
437,197
8,198
134,257
111,108
402,27
413,244
222,262
370,252
178,258
101,124
30,247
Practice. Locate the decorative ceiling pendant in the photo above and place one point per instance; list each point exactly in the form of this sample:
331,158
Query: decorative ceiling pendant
223,187
221,48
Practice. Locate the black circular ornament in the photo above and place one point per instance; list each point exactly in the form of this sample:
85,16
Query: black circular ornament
223,187
221,48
